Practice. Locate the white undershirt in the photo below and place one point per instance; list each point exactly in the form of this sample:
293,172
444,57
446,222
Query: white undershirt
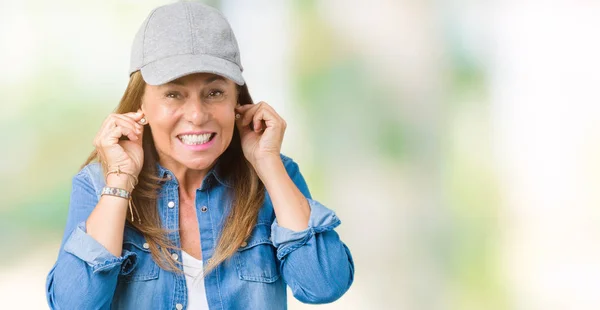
192,268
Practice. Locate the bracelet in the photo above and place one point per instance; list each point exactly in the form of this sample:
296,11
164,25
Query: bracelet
119,192
115,191
119,172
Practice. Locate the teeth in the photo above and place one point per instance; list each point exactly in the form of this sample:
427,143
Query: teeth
195,139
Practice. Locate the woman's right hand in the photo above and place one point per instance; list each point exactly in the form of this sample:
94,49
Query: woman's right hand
128,155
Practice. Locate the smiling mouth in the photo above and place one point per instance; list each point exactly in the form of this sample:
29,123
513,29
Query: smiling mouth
196,139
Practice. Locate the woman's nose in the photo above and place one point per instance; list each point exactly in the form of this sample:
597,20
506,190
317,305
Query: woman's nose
196,111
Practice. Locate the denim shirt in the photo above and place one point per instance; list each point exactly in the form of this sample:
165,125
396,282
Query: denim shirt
314,263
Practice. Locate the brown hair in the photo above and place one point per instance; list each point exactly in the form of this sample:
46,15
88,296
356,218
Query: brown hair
246,197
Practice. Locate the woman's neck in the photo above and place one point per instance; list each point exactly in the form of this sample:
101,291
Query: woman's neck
189,180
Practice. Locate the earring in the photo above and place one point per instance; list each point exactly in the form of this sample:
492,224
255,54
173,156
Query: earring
237,115
143,121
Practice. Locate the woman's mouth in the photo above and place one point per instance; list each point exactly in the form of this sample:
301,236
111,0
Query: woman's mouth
196,139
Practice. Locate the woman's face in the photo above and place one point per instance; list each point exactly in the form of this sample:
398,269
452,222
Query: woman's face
192,119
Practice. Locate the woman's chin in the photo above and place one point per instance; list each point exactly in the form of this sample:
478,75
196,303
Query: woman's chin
198,163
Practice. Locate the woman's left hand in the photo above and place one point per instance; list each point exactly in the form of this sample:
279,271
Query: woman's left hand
261,131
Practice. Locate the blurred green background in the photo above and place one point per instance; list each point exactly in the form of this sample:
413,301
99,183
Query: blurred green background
456,140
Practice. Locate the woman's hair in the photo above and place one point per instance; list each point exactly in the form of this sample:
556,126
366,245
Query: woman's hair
246,196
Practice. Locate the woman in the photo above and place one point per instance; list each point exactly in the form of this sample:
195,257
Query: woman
186,202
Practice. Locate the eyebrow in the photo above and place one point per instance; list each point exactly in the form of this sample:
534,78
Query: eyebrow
208,80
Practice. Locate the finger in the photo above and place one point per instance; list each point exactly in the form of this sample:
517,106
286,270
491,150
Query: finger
107,125
130,131
257,120
243,129
248,114
134,124
110,137
119,129
136,116
268,107
245,107
266,116
269,116
140,135
110,122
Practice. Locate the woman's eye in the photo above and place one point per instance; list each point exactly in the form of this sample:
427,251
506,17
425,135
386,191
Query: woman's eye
215,93
172,95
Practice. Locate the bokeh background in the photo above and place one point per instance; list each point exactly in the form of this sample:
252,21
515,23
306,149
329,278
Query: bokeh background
457,140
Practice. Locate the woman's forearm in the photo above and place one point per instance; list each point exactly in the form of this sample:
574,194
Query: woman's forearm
290,205
107,221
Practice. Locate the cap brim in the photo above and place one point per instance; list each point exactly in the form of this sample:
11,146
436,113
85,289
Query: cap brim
168,69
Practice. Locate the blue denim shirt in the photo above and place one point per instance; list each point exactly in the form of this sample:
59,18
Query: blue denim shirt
314,262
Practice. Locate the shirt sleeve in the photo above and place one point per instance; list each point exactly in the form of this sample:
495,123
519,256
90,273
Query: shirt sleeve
97,257
315,263
321,220
85,273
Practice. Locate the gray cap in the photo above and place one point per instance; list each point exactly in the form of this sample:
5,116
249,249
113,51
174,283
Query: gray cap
183,38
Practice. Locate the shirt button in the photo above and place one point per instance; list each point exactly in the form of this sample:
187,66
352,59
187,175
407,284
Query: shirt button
146,245
244,244
171,204
178,306
204,208
175,256
168,176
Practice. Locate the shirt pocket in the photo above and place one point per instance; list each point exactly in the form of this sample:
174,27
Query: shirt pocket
256,259
145,268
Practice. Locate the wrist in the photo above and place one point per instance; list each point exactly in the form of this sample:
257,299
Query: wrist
267,161
269,168
123,181
121,178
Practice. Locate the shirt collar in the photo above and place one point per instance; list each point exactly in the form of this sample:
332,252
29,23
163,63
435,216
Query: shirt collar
216,173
